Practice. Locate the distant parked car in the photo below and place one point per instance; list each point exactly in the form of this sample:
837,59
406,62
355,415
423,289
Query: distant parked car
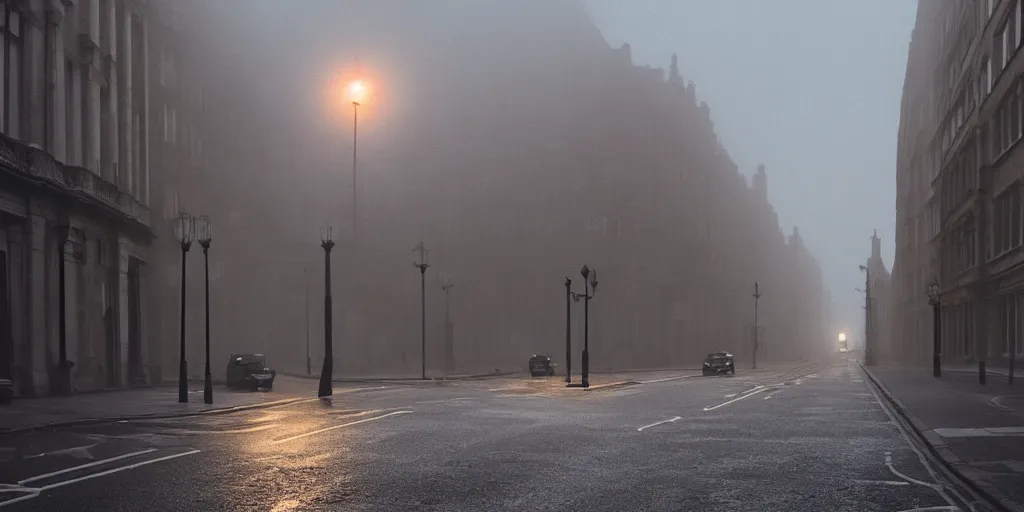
541,364
718,363
250,371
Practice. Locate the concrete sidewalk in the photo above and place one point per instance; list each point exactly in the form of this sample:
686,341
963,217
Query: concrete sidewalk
977,431
154,402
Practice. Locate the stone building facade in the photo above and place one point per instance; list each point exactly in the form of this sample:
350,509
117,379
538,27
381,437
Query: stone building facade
961,168
84,130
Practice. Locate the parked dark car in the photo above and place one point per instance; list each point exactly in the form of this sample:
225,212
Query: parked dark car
250,371
718,363
541,364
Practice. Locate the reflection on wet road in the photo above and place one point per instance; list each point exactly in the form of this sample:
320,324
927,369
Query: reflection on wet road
821,442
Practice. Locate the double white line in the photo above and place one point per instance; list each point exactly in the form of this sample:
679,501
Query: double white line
34,492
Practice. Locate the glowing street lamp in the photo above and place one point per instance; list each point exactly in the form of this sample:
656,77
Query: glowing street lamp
357,92
842,336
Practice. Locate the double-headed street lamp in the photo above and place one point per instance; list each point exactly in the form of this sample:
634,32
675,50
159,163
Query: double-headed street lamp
184,232
935,300
589,287
327,372
422,264
204,235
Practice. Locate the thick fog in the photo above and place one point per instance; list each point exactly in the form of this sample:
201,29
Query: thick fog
515,143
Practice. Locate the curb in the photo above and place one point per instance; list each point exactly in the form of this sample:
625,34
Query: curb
478,376
81,422
940,450
612,385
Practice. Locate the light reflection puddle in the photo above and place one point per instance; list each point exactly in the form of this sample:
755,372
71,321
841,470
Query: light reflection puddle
327,429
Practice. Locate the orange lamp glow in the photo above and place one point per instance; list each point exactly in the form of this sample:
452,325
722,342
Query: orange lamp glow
357,91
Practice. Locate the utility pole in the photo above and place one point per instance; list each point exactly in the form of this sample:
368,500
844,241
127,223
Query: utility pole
309,362
757,296
422,265
449,331
568,330
869,356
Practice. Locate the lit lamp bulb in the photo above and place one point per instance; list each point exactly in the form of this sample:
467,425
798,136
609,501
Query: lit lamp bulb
357,91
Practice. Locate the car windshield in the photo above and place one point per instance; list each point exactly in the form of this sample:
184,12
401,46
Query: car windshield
718,358
246,360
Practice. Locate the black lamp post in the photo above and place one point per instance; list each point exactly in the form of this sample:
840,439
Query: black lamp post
327,372
568,330
422,264
869,349
204,234
449,331
935,301
589,286
757,297
184,231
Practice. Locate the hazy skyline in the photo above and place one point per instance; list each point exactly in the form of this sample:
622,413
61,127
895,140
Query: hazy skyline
812,90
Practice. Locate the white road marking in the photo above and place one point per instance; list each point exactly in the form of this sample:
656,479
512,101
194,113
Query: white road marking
446,400
77,451
666,379
773,393
258,428
996,402
36,491
932,509
881,482
730,395
662,422
84,466
322,430
920,456
888,464
737,399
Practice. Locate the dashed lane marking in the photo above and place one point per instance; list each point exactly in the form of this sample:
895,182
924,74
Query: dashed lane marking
34,492
326,429
737,399
85,466
662,422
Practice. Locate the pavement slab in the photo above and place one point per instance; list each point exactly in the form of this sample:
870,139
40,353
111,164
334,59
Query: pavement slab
977,430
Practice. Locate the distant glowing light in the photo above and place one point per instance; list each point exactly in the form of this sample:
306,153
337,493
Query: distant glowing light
842,336
357,91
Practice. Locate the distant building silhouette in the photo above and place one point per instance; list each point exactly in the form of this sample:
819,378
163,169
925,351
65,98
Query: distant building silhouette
526,152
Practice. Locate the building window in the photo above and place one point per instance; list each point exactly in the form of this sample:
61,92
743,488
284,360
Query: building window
10,60
1006,228
170,125
1006,121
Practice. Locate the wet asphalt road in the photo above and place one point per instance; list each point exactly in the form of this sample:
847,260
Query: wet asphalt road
810,438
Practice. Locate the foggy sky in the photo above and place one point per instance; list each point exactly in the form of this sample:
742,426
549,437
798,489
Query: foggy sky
810,88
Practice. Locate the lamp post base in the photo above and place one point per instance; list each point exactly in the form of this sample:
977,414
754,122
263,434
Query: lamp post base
183,382
586,368
937,366
981,372
326,376
208,388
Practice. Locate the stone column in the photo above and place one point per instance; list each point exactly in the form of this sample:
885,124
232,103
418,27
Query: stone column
74,132
91,76
111,120
143,175
37,286
33,113
123,48
56,80
123,326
